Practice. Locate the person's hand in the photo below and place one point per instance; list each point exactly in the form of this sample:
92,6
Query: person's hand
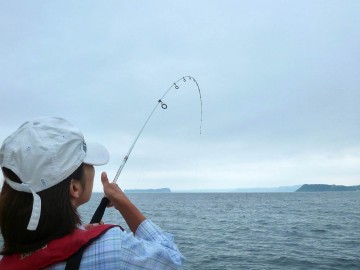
120,201
113,192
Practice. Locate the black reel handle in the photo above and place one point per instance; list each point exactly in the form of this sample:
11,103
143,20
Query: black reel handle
99,213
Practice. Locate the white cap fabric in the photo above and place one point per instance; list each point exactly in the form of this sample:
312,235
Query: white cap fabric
44,152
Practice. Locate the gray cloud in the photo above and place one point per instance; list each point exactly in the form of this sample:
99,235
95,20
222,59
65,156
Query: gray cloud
279,84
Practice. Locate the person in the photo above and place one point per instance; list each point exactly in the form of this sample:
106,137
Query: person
48,171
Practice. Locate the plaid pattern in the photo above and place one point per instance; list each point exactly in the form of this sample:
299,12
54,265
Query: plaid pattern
151,248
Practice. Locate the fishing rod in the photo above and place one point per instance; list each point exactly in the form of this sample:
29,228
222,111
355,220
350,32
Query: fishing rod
99,212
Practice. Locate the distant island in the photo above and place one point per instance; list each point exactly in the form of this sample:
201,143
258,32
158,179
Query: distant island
326,188
152,190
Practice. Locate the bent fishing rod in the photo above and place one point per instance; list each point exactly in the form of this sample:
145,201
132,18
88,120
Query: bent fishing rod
99,212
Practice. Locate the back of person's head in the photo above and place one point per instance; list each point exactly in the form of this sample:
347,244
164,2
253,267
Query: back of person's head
58,216
39,161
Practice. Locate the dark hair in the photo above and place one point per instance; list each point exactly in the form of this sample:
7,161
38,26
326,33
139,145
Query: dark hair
58,216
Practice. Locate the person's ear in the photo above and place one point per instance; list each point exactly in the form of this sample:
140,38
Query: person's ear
75,189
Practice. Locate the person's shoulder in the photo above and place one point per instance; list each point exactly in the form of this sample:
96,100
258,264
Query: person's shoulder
113,232
101,251
104,249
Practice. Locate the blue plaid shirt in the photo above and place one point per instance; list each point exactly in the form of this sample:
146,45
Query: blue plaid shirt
151,248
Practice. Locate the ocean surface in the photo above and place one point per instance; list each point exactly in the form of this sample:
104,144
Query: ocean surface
254,230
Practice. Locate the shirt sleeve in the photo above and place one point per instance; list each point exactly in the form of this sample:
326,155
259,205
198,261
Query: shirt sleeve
151,248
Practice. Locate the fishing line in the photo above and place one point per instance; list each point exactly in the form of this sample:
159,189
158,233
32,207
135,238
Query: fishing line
105,201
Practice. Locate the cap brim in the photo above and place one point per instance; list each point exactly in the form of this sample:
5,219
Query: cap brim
96,154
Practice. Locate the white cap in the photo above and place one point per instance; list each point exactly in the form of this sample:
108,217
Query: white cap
44,152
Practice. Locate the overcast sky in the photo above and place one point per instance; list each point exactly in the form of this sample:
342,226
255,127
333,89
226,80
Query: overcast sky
279,82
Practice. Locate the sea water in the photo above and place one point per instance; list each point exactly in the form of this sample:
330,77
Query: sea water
254,230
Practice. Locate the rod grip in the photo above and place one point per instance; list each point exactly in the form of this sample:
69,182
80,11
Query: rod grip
99,213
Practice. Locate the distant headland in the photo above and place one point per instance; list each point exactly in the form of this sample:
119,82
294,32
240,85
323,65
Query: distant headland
326,188
152,190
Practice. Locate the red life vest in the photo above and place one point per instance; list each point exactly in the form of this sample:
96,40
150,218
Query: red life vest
55,251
